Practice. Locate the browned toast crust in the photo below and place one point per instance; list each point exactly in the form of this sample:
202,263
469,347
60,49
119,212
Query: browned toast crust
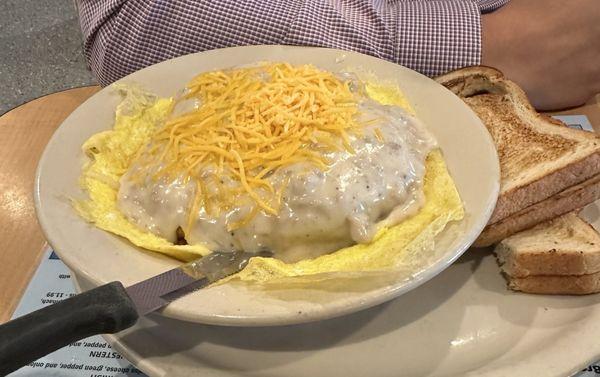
559,204
557,285
567,245
508,115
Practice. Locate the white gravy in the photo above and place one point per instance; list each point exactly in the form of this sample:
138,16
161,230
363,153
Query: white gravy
381,184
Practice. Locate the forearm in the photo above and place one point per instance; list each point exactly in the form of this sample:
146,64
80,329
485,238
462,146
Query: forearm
548,47
429,36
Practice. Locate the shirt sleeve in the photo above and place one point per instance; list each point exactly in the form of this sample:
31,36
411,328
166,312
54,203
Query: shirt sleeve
430,36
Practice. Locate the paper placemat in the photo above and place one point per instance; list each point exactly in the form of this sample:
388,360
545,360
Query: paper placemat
94,357
90,357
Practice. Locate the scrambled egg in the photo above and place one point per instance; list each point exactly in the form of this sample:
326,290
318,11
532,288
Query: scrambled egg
139,115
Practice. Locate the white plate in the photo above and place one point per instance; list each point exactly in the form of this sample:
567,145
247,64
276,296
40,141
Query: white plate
464,322
101,257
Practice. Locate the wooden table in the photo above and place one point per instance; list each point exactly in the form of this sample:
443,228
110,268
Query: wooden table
24,133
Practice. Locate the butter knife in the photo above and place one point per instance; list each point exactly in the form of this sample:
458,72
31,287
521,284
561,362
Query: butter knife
107,309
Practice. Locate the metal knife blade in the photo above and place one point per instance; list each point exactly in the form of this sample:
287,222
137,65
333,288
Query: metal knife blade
154,293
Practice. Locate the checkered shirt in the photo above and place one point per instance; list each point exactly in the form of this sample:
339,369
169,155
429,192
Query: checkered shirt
430,36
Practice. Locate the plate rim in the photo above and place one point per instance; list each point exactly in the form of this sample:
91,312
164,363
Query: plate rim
517,369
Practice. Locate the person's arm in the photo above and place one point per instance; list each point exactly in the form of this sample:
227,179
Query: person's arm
433,36
551,48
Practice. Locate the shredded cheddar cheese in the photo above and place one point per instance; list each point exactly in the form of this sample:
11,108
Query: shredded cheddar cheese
251,122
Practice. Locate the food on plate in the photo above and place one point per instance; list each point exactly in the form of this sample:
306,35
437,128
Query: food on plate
278,158
560,256
290,159
547,169
576,196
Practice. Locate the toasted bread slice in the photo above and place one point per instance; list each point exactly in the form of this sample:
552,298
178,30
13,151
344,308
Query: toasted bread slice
560,256
566,245
539,156
557,285
568,200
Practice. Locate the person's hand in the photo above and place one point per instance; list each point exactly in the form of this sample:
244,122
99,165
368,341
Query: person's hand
551,48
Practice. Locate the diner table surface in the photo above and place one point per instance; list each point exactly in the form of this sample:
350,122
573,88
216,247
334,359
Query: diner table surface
24,132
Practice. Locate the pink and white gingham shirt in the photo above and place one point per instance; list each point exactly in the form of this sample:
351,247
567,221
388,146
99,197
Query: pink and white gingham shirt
430,36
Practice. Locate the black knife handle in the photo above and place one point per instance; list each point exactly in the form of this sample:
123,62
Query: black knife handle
103,310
